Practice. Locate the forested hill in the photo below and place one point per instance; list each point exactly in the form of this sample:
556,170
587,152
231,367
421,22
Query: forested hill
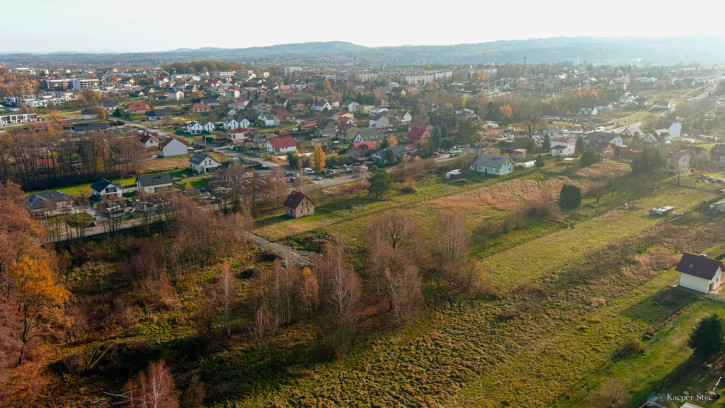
655,51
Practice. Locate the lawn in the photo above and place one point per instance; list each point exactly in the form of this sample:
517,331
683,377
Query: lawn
644,374
85,189
535,258
633,118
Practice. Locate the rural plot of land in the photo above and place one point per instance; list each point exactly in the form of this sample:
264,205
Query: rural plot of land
531,260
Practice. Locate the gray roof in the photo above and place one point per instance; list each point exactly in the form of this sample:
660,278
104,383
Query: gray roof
154,179
370,134
108,103
603,136
491,160
47,199
198,158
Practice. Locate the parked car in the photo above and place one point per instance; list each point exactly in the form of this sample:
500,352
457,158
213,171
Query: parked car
318,178
309,170
461,181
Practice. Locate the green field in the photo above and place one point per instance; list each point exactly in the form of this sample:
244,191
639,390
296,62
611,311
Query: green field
645,374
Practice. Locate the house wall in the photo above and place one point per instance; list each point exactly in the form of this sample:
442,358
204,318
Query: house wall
304,209
699,284
174,149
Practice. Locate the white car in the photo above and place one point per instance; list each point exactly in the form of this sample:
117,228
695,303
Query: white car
309,170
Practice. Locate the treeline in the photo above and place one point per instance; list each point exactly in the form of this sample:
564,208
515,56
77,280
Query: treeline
49,158
195,67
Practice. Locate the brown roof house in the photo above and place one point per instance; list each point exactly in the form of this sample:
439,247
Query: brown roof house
699,273
299,205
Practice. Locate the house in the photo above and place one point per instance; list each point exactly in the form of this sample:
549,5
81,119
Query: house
298,205
717,154
563,147
588,110
268,120
200,107
321,141
321,105
89,127
368,135
610,138
654,138
380,121
104,189
626,155
208,126
238,136
674,129
203,163
108,105
326,129
153,183
417,132
351,106
518,154
348,135
176,95
360,149
148,140
404,117
158,114
604,150
492,164
697,153
194,128
49,202
699,273
281,145
676,162
87,114
138,108
173,147
391,154
235,123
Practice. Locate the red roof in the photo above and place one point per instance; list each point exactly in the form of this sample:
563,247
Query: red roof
167,141
417,131
200,105
282,142
363,146
137,107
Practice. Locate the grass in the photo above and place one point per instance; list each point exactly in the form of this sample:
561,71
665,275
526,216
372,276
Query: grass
644,374
85,188
543,255
633,118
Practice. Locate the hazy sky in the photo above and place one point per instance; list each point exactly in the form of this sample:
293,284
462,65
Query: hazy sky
153,25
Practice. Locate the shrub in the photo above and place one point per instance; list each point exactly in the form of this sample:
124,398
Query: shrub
633,345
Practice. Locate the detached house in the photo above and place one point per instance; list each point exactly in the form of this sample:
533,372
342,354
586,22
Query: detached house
108,105
200,107
380,121
172,147
321,105
298,205
357,150
138,108
203,163
194,128
417,132
268,120
104,189
562,147
158,114
153,183
699,273
676,162
235,123
49,202
492,164
281,145
717,155
148,140
368,135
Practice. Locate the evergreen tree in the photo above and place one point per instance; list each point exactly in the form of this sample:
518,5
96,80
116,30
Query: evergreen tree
546,145
589,157
380,182
708,339
579,146
570,196
539,161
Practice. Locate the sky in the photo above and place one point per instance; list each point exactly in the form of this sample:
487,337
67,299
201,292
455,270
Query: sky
160,25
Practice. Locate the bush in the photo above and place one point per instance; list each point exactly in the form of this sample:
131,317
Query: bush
570,196
633,345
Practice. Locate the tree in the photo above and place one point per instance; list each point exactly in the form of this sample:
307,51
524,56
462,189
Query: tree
546,145
223,294
708,338
539,162
380,182
152,389
648,162
579,145
293,158
611,395
318,158
570,196
589,157
40,301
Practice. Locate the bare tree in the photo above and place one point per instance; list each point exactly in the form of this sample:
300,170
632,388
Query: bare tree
404,288
152,389
263,326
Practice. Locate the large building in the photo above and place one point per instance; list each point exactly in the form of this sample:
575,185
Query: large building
495,164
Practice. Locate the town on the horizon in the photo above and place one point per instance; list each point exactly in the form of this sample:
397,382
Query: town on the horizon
354,228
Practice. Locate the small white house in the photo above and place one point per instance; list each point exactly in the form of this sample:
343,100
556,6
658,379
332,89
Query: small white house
203,163
194,128
153,183
268,120
492,164
563,149
104,189
281,145
699,273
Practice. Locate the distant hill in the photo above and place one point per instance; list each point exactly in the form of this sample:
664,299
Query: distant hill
655,51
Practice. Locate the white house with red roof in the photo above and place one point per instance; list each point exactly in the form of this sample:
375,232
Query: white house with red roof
173,147
138,108
281,145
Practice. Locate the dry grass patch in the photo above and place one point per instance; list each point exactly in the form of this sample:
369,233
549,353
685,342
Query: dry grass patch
604,171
